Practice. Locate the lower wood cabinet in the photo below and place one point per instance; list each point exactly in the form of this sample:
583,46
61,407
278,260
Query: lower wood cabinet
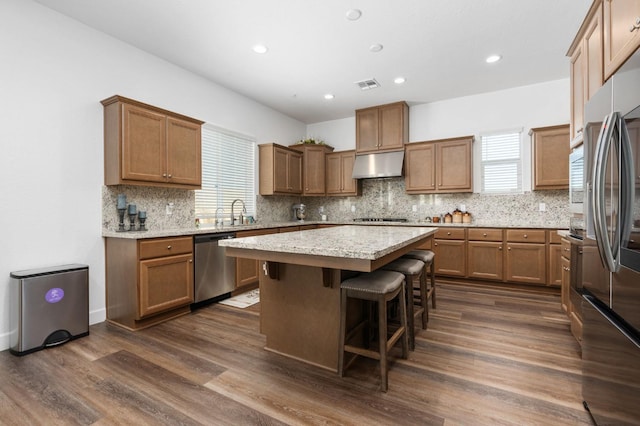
485,260
526,263
248,270
450,248
565,263
148,281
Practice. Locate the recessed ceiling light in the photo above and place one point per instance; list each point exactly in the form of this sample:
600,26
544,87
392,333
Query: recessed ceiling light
260,48
493,58
329,96
399,80
376,47
354,14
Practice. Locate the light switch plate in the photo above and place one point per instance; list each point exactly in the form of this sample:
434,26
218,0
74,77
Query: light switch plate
542,207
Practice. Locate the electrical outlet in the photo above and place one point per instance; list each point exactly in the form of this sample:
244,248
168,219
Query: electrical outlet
414,208
353,208
542,207
169,209
463,208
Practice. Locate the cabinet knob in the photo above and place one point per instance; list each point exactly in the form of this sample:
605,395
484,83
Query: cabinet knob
168,247
567,249
484,234
508,248
525,235
500,248
448,233
169,176
164,175
435,244
190,260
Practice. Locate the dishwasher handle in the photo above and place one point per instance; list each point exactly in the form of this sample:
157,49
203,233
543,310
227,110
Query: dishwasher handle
207,238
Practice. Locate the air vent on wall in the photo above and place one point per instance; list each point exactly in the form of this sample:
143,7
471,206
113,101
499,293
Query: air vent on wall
368,84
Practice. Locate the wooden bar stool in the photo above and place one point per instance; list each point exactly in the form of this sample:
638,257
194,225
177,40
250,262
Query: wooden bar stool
379,287
428,257
412,269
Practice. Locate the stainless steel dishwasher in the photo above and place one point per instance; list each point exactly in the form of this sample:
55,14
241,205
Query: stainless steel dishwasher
214,273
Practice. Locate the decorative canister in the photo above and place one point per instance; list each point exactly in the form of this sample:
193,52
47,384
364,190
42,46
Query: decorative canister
448,218
457,216
466,217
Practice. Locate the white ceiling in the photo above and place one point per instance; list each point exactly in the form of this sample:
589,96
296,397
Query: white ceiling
439,46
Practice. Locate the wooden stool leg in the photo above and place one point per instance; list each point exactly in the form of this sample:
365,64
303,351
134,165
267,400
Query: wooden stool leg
408,279
433,285
423,300
343,325
382,330
403,323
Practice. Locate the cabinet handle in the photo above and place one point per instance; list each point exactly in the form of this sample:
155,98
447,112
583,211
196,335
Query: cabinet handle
168,247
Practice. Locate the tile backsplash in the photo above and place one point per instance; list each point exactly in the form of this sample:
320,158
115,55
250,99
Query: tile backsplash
380,198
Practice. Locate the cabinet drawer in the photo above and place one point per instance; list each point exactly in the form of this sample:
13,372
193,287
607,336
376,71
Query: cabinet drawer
526,235
485,234
554,237
165,247
450,234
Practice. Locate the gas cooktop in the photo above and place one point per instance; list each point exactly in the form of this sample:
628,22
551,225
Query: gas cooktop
379,219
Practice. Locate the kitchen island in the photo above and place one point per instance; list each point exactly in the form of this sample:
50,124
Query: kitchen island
300,286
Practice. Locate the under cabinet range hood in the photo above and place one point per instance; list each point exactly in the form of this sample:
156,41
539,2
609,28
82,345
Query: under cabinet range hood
378,165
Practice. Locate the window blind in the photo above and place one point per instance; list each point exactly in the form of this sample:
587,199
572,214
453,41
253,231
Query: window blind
228,172
501,165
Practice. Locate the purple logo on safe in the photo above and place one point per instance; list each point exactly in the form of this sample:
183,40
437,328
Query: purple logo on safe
54,295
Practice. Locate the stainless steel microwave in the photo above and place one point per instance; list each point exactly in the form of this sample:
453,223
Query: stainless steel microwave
576,180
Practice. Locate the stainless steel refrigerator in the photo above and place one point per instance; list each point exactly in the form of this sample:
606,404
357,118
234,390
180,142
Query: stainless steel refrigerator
611,279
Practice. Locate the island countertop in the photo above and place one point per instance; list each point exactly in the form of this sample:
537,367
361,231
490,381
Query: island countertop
350,241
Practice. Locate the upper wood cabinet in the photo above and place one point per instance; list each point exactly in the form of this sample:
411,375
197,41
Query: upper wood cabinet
145,145
551,150
280,170
382,128
621,32
313,167
339,170
439,166
586,67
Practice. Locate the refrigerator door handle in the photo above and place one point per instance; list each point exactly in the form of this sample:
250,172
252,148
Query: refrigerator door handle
627,183
599,209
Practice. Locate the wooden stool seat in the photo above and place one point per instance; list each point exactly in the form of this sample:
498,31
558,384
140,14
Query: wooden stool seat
412,269
428,257
379,287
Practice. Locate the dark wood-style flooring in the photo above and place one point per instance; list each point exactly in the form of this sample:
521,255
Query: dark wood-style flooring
491,356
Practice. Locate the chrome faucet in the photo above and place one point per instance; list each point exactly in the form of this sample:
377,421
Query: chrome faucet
244,210
221,220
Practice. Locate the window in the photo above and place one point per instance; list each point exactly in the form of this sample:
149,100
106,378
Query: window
228,172
501,165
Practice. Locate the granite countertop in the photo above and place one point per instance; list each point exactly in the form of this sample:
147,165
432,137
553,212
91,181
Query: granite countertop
210,229
350,241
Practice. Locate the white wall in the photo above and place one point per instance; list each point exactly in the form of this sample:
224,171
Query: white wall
526,107
54,73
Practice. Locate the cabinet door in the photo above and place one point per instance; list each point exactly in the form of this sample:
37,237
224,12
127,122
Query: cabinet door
620,41
593,73
420,171
144,151
367,130
454,166
576,70
526,263
350,186
392,126
183,152
280,170
314,170
294,176
485,260
248,270
565,265
555,265
450,257
551,148
333,173
165,283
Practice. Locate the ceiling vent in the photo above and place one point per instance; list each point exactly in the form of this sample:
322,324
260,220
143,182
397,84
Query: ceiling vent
368,84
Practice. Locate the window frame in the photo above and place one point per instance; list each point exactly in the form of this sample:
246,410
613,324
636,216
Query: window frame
519,161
